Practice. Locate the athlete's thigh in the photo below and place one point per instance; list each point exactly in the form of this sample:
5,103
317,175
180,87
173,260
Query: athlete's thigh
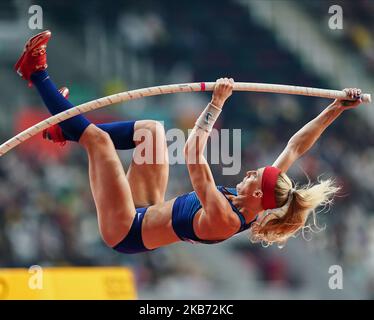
149,170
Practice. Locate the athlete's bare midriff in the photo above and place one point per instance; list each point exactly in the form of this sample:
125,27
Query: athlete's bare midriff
157,228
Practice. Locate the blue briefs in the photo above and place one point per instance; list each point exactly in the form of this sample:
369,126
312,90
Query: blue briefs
133,242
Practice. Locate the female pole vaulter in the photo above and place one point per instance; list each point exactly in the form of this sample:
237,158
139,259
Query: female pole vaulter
133,215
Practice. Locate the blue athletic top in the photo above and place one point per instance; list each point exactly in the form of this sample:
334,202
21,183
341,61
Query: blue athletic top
185,208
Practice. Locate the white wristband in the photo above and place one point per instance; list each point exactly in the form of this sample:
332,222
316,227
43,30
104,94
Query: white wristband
208,117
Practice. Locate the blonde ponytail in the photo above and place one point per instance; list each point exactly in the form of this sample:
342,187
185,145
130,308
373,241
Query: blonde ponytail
295,206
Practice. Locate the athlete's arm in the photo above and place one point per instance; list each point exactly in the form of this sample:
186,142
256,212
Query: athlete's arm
306,137
200,174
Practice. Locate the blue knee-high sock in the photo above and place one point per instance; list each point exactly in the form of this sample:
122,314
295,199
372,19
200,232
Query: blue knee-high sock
121,133
56,103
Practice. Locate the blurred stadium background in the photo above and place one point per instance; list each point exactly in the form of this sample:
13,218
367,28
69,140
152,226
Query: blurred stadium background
47,215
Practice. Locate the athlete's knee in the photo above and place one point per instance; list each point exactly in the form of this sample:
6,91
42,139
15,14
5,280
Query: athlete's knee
113,233
155,128
96,136
109,238
101,137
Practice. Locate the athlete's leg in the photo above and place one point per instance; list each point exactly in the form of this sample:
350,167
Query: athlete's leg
32,67
110,188
121,132
149,180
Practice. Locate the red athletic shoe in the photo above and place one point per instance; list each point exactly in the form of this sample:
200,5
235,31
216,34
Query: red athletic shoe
34,56
54,133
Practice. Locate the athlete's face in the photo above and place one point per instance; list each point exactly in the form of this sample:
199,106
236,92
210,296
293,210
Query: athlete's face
251,182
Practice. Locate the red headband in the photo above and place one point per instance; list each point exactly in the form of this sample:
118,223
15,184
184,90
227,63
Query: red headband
269,180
